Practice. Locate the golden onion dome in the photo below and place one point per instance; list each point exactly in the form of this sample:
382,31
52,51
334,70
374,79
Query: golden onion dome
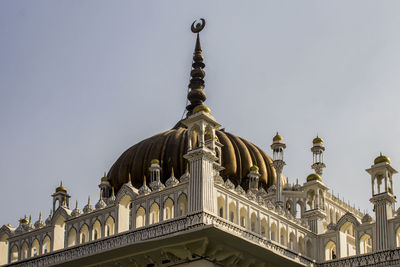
200,108
238,156
104,179
314,177
61,188
317,140
382,158
277,138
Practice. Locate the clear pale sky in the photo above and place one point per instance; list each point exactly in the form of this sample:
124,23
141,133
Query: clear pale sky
81,81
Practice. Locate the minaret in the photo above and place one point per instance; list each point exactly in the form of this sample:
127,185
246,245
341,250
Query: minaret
105,187
318,155
200,123
382,198
61,197
278,146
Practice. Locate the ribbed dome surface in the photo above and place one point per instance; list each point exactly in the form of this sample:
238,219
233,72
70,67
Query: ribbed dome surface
238,155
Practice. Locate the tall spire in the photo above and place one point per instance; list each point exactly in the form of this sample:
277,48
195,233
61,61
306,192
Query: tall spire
196,95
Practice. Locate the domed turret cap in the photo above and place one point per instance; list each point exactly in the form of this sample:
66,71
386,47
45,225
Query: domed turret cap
381,158
314,177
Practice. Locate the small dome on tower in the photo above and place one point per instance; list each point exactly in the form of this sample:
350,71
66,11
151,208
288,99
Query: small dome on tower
314,177
277,138
254,168
61,188
382,158
318,140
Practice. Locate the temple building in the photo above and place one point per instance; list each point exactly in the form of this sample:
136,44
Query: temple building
197,195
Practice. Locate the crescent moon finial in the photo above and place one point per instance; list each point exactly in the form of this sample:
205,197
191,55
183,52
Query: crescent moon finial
198,26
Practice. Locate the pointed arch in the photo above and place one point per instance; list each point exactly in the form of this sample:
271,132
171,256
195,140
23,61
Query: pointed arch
330,251
84,234
124,213
233,212
309,248
348,217
154,215
292,241
96,230
282,236
243,217
365,244
35,248
347,238
398,237
254,222
274,232
182,204
221,207
140,217
264,228
168,211
300,245
72,237
46,244
14,254
24,251
109,226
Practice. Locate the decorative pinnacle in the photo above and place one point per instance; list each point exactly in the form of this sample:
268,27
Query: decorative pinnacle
76,203
129,178
40,216
196,95
144,179
88,200
112,191
172,172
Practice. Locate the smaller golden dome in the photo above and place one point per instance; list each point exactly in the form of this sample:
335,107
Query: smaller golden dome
155,161
201,108
381,158
277,138
104,178
317,140
61,188
314,177
254,168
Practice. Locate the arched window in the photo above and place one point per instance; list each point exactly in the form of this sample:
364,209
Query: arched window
398,237
182,204
254,224
46,245
243,217
309,248
331,216
3,249
24,251
299,208
347,240
264,228
14,253
330,251
274,232
365,244
35,248
110,226
72,237
337,217
154,213
301,245
84,234
292,241
289,206
283,236
140,217
168,209
221,206
96,230
124,213
232,212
